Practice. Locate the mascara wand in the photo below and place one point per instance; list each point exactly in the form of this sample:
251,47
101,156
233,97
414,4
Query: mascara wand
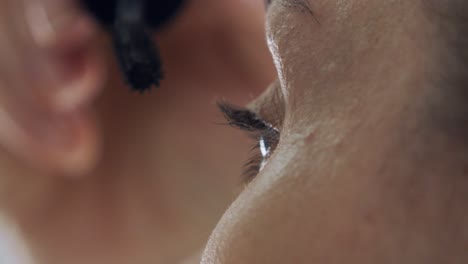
131,23
136,52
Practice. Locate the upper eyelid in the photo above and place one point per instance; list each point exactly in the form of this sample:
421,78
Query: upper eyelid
270,106
292,3
302,4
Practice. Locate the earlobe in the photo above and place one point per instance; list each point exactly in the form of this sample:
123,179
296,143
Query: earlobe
68,146
80,155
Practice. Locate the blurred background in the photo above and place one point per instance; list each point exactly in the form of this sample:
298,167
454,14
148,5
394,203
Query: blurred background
168,166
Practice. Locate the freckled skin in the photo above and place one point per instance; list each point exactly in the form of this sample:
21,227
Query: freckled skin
359,175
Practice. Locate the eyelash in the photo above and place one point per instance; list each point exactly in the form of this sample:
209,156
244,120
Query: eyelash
266,136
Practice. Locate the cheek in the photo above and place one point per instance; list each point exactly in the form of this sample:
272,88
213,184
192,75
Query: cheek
313,214
285,219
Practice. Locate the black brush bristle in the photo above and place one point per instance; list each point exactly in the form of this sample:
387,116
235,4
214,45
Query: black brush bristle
158,13
131,23
138,56
135,50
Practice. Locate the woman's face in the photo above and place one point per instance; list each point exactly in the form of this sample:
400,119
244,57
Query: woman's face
363,172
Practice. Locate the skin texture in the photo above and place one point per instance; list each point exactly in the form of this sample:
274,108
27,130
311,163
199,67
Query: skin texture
158,182
366,170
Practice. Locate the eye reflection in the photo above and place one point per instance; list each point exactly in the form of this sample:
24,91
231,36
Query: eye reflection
264,148
265,151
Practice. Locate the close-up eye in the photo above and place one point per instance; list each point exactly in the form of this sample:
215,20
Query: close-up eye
266,137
